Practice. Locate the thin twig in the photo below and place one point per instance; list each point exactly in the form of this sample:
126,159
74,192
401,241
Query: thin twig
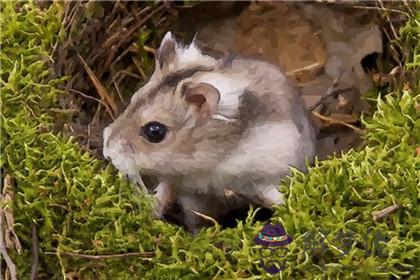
7,197
389,20
377,215
88,135
344,118
35,253
73,12
331,120
394,50
137,64
3,251
161,20
137,25
30,110
94,120
205,217
103,257
395,53
149,49
408,7
88,96
330,92
127,73
381,9
119,76
116,60
118,91
110,57
110,105
124,37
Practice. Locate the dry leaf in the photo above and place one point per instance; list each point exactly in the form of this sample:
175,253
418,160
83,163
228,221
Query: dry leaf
344,118
111,107
229,193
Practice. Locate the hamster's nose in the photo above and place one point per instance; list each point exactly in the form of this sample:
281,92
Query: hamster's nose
114,147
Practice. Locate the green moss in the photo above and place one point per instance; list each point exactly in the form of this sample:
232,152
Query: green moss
80,205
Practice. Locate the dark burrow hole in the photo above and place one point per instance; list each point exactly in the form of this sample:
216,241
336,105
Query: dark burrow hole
174,214
230,220
369,62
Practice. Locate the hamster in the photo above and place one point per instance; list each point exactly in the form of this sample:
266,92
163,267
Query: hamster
202,124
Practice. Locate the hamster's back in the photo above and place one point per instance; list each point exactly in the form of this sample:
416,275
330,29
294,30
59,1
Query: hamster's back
279,132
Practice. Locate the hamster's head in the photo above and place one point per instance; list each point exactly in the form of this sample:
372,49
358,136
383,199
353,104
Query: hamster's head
168,128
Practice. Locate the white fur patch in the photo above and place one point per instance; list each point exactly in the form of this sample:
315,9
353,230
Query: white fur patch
191,55
230,87
268,149
271,195
187,56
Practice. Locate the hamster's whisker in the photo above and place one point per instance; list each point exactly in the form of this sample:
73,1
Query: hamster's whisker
141,183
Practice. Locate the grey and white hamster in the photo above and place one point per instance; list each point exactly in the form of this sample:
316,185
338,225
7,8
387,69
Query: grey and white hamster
202,125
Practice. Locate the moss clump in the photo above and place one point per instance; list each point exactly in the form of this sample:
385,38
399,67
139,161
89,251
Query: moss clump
79,206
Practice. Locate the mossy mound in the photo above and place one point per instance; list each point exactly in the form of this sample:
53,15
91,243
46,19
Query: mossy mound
82,208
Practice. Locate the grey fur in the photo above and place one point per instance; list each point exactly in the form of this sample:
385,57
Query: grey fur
262,129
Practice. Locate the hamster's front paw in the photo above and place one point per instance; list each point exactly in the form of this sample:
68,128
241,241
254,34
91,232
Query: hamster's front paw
272,196
200,210
164,195
269,195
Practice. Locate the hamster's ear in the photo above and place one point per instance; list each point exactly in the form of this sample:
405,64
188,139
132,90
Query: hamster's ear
203,96
167,50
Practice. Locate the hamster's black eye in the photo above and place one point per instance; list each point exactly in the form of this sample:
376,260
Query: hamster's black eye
154,132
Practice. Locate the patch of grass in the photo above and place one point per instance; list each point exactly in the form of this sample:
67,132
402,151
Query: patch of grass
80,206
